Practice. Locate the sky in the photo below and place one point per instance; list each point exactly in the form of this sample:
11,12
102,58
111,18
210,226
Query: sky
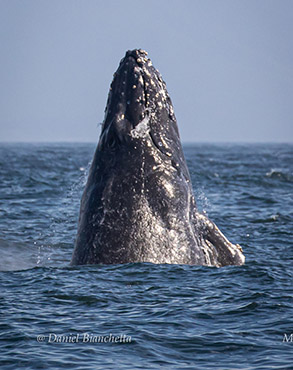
228,66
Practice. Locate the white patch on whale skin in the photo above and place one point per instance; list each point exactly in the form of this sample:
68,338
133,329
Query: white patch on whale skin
169,188
163,93
120,117
141,129
137,70
145,71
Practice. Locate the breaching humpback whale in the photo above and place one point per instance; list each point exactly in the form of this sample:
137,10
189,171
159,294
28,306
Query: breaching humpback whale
138,204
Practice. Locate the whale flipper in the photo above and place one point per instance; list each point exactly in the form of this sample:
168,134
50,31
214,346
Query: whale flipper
219,250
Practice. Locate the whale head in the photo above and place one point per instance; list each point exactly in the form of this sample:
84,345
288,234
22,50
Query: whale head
139,111
138,204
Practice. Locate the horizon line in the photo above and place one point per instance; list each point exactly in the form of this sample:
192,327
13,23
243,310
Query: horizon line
182,142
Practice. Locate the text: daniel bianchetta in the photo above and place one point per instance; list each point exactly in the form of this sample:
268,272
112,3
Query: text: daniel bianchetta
84,338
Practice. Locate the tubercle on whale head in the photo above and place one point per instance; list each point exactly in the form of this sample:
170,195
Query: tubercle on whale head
138,98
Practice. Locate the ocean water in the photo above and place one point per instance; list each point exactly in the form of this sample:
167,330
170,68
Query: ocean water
144,316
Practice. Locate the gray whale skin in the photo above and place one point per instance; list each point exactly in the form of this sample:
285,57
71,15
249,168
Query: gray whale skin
138,204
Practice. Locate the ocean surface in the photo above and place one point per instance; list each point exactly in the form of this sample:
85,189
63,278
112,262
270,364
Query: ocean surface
145,316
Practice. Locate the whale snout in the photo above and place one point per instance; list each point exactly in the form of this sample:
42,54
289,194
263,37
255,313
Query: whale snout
128,87
138,105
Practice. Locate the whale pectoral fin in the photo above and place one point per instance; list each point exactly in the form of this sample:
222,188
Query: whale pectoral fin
218,250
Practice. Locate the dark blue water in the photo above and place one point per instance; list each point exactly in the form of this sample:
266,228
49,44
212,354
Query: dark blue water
142,316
